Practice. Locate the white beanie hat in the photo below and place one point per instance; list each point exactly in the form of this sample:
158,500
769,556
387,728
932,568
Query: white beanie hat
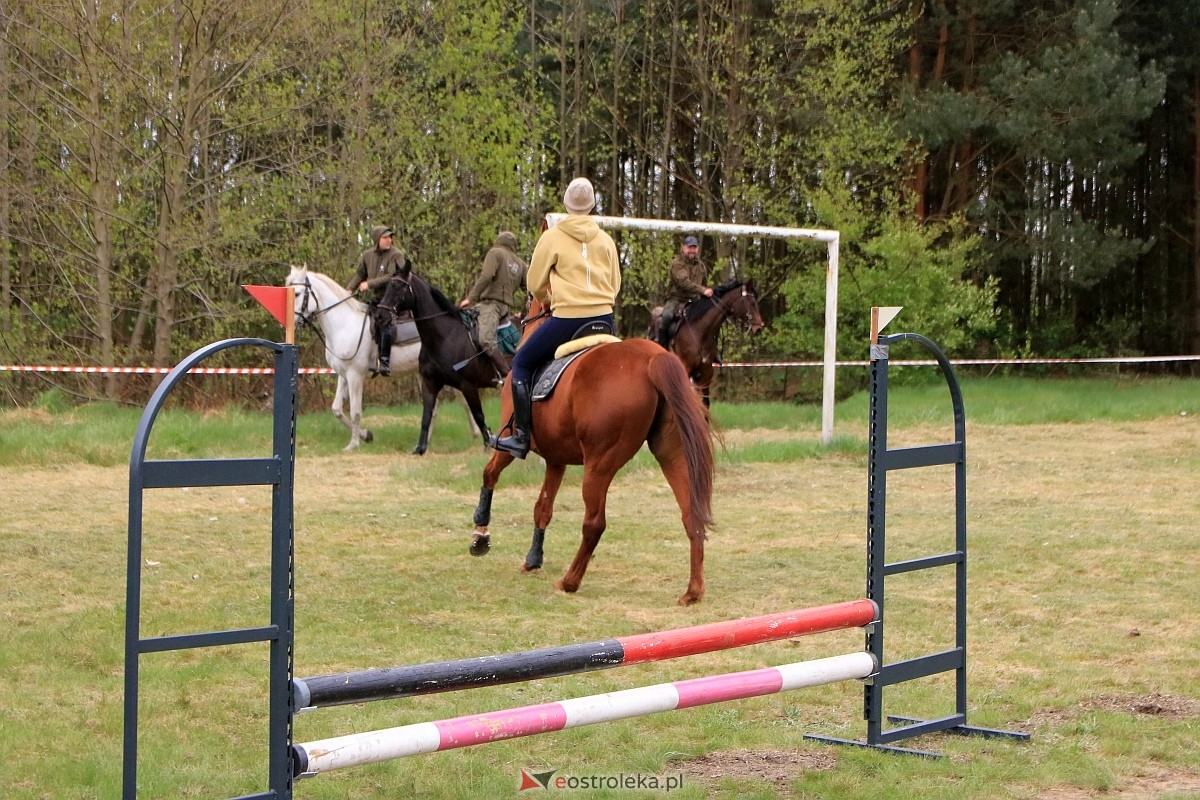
579,198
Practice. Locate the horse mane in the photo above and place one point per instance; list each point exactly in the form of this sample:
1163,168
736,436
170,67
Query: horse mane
442,301
727,287
696,310
339,291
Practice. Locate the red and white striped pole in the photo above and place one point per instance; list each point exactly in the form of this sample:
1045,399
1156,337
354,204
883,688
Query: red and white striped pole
428,737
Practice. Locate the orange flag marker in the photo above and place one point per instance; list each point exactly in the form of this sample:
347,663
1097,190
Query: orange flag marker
279,300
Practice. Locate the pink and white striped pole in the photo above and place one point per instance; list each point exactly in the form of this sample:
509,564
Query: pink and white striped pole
428,737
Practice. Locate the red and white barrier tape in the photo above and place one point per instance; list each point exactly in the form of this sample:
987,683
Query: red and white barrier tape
1015,362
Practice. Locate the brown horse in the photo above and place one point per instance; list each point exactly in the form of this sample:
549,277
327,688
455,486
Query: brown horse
609,401
695,341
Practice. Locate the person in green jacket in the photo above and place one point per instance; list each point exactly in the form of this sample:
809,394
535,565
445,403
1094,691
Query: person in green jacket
575,271
376,266
493,294
686,278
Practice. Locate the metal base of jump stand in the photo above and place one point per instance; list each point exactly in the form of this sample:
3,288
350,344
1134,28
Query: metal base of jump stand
907,732
881,460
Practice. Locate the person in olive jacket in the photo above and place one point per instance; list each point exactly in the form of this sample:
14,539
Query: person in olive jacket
376,266
493,294
687,279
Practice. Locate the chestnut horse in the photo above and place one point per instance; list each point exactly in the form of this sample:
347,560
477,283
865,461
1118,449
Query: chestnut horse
609,401
695,341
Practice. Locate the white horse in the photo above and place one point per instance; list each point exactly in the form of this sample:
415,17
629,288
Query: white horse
345,330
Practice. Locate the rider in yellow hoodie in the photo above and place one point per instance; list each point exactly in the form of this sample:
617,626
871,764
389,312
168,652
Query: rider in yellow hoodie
575,271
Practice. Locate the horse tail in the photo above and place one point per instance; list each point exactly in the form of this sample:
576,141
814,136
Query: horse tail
670,378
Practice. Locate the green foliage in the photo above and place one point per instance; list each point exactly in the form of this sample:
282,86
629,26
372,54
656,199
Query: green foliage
886,258
1032,137
919,267
52,400
1088,119
216,148
922,269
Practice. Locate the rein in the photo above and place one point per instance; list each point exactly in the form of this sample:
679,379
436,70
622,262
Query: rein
720,303
409,289
308,318
527,321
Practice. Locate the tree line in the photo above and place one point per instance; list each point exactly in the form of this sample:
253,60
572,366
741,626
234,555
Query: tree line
1023,178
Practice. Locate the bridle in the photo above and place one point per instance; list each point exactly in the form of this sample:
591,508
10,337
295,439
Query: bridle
409,292
306,318
746,321
408,289
303,315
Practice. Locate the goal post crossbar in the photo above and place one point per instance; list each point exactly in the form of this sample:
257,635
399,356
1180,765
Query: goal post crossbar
831,239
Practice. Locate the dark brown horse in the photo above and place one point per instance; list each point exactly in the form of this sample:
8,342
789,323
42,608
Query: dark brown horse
695,342
449,356
609,401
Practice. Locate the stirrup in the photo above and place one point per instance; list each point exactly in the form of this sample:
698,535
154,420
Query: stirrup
516,446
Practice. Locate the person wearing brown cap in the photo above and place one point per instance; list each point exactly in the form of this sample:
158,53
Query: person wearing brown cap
493,293
686,278
575,271
376,266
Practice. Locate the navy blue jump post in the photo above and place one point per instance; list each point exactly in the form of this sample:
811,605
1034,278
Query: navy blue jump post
276,471
880,461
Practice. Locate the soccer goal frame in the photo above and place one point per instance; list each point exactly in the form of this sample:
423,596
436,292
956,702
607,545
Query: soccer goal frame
831,239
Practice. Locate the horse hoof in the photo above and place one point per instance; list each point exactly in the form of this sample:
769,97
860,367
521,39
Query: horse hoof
368,436
480,544
418,451
527,568
562,587
689,599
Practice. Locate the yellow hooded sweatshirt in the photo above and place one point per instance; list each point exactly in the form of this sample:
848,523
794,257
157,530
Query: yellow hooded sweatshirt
575,269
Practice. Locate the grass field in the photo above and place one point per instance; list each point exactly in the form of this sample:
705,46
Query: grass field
1084,564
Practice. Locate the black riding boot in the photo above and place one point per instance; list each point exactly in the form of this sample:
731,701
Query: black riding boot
518,443
385,352
383,337
664,326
